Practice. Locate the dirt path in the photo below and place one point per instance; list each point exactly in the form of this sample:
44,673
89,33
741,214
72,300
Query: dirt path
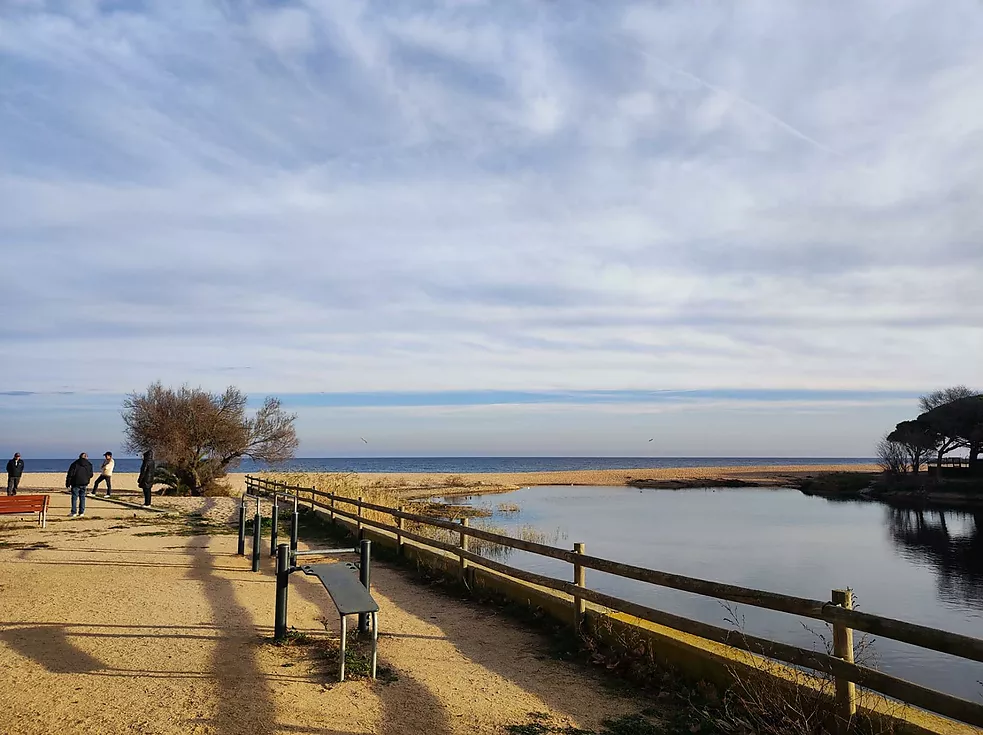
111,624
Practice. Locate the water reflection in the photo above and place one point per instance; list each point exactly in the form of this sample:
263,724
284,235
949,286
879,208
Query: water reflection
950,541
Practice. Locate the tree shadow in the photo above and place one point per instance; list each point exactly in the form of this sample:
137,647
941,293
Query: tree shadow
532,668
49,646
244,700
407,705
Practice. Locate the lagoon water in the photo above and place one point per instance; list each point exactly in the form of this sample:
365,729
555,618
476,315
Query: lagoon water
923,567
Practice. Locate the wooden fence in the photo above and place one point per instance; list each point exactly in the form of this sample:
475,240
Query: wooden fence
836,611
960,462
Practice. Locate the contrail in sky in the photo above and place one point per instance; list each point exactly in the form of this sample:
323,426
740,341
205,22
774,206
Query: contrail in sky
757,109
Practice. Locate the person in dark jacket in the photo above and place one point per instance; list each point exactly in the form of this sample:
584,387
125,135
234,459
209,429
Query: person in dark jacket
15,468
146,480
78,478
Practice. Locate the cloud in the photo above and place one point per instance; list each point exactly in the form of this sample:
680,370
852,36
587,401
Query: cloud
359,197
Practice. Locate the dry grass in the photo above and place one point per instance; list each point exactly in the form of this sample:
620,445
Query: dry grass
344,485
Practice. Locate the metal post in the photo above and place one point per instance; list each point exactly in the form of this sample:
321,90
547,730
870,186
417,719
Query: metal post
241,549
358,524
295,526
464,547
846,691
257,522
365,577
274,523
399,535
282,582
579,579
344,640
375,641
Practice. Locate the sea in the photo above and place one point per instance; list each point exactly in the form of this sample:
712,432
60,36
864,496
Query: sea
468,465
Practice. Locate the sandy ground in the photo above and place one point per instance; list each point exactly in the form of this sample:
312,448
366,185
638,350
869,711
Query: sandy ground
410,482
106,630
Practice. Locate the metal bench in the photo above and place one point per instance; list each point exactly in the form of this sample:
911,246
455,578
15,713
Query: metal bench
23,504
350,594
350,598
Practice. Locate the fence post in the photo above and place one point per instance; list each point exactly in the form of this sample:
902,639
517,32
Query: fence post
358,524
331,507
295,525
274,524
579,579
241,549
399,535
313,490
365,577
846,691
464,547
257,523
282,581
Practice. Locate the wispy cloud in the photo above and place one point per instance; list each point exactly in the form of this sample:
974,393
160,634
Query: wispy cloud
363,196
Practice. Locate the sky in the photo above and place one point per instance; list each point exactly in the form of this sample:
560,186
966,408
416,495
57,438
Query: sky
493,228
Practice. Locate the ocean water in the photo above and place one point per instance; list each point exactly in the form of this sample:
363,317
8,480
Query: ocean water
466,465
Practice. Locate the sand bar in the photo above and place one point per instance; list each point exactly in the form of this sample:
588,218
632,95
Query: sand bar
411,483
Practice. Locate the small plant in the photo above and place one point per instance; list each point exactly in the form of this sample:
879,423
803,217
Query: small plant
295,637
358,659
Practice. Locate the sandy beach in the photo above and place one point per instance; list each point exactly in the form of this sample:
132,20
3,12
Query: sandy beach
412,484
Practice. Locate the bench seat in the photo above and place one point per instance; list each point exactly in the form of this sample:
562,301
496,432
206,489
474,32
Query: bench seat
23,504
350,598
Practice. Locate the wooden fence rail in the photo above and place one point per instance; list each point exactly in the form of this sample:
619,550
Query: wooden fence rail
840,665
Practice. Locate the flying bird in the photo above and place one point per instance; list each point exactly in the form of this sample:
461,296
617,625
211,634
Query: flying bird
652,439
363,439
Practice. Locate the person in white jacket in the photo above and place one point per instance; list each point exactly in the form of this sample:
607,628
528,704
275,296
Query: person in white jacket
106,474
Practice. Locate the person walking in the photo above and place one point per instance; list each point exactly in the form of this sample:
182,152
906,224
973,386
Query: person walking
79,475
146,479
105,474
15,468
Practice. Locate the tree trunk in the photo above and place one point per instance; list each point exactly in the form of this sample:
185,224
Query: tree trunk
196,489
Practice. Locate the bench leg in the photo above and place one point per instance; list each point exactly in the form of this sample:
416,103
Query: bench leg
344,639
375,641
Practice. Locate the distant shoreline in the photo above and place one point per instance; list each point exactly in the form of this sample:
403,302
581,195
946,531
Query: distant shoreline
417,484
427,484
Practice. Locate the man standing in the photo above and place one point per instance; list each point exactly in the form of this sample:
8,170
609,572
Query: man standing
79,475
105,474
15,468
147,470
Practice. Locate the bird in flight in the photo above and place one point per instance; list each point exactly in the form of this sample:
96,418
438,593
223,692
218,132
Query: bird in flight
652,439
363,439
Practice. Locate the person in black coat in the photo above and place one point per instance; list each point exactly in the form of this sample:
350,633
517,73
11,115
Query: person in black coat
147,470
15,468
78,478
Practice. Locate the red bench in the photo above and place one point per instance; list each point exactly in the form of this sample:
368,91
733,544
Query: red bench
14,504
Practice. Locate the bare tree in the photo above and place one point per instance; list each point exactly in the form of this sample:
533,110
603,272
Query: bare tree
918,440
946,395
200,435
891,457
